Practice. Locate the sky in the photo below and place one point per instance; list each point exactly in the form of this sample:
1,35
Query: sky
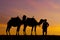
49,9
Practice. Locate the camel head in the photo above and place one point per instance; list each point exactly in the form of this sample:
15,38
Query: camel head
41,21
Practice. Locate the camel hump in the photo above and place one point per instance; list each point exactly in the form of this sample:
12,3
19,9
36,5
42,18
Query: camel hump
31,20
14,20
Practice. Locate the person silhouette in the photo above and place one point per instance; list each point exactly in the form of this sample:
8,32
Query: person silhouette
24,17
44,26
24,23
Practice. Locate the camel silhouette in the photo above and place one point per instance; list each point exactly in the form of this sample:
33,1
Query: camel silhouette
15,22
32,23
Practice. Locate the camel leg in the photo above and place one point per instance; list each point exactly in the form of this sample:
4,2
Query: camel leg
24,29
31,30
35,30
8,30
43,32
18,28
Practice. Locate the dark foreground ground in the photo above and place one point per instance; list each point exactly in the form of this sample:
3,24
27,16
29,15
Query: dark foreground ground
29,37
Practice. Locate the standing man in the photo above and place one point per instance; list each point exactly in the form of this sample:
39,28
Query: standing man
24,23
44,26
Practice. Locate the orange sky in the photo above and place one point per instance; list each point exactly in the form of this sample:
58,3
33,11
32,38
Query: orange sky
49,9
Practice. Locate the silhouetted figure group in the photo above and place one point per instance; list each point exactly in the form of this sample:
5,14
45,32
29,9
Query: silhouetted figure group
17,22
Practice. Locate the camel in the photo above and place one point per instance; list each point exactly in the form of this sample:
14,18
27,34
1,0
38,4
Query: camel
32,23
15,22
